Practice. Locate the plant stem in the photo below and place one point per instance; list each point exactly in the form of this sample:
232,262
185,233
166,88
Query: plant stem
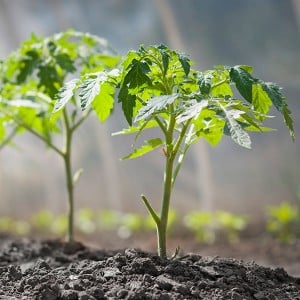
68,172
163,224
168,176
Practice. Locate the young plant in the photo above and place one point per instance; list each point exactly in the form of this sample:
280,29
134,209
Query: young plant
158,88
283,221
32,76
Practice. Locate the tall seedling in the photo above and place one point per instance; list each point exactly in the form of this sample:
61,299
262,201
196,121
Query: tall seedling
30,79
158,88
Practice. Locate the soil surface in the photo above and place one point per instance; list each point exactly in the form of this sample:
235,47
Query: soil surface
52,269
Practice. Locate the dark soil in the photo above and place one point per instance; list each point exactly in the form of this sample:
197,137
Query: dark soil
52,269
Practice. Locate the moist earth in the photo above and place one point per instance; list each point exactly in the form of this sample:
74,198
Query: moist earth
52,269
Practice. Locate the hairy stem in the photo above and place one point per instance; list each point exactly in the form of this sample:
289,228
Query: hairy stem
167,189
68,173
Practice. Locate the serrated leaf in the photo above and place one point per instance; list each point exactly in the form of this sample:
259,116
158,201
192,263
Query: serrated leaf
49,79
155,104
243,81
104,102
260,129
247,68
136,76
192,111
204,83
128,103
165,58
149,146
273,91
65,94
260,99
251,121
65,62
240,136
237,133
288,120
209,126
28,64
222,90
185,63
133,129
89,89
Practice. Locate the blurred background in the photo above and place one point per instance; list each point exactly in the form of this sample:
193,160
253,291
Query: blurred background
263,34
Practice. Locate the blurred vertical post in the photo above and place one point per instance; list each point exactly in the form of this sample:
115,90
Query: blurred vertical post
202,159
296,10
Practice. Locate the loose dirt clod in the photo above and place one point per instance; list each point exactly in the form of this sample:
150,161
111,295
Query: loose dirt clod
49,270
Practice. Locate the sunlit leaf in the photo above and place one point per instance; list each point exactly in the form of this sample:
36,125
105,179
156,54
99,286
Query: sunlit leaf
243,81
260,99
103,103
149,146
128,103
155,104
205,82
65,94
185,63
136,76
192,111
90,88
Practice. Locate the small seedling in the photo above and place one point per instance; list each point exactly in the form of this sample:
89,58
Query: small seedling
157,88
283,221
206,225
31,77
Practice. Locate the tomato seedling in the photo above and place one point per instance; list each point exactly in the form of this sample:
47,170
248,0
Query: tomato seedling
158,88
31,77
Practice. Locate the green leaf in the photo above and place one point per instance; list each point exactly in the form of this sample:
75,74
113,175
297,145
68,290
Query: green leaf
49,79
133,129
155,104
240,136
260,99
150,145
27,65
128,103
192,111
222,90
104,102
209,126
204,82
278,100
90,88
2,131
185,63
243,81
136,76
65,94
288,120
165,58
273,91
65,62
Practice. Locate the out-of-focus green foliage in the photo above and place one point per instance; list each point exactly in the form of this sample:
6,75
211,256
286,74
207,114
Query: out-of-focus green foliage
283,221
207,225
30,79
12,226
